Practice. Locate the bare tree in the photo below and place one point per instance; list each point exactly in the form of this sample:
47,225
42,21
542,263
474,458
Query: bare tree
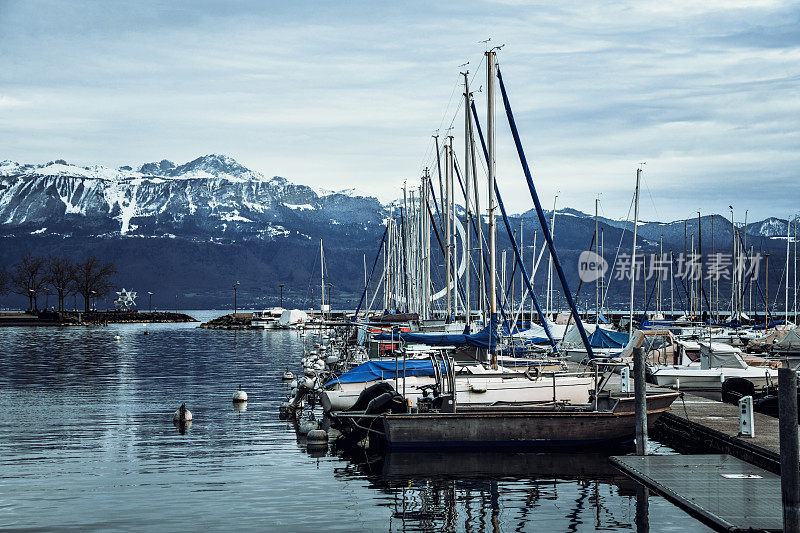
61,275
28,278
93,279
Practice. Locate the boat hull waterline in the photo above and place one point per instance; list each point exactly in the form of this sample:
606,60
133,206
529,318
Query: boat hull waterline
520,427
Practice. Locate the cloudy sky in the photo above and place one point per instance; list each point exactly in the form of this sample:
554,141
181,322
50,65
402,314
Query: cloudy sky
348,94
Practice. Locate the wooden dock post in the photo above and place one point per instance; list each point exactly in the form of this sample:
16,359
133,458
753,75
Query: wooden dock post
640,400
789,448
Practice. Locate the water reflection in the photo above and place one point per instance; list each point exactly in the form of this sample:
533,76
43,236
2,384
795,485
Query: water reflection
494,491
108,457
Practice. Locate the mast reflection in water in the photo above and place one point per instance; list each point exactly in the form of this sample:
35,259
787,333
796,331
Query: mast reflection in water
505,491
87,442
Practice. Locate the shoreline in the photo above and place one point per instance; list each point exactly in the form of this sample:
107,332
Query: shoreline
92,318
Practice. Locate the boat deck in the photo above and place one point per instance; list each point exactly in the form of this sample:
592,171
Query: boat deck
721,490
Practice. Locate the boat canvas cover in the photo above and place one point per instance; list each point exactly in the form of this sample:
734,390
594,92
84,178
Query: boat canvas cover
537,335
790,342
573,335
292,316
375,370
480,339
720,356
603,338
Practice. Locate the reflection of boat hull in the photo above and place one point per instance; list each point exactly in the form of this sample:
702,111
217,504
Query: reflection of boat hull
521,427
493,464
478,389
263,324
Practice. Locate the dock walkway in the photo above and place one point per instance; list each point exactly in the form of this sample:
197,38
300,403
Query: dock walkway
721,490
697,424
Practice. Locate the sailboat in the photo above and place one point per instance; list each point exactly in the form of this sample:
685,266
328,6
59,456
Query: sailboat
442,421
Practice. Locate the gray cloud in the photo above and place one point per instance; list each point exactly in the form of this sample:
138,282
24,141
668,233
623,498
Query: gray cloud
348,94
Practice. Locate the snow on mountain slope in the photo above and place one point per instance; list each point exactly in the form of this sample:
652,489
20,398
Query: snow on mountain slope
210,196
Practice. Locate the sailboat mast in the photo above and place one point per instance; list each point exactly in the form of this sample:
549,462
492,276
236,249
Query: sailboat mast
700,278
448,178
467,213
786,292
633,255
533,271
671,285
658,280
713,285
602,278
322,277
735,262
743,251
596,248
473,160
549,299
490,59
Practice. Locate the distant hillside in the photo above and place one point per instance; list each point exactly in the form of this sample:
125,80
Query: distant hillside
194,229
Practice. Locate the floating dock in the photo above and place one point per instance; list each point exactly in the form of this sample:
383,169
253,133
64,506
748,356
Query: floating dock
722,491
700,425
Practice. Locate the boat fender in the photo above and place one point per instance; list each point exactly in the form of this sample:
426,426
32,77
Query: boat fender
305,426
317,437
239,396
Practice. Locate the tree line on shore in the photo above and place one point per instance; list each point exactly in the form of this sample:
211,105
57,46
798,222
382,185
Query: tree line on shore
34,275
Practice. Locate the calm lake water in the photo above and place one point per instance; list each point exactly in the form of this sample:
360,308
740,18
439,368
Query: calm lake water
87,443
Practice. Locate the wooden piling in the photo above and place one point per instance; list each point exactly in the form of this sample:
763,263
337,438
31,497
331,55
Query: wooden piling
640,401
790,449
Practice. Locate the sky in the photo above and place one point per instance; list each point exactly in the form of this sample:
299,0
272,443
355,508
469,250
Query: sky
348,94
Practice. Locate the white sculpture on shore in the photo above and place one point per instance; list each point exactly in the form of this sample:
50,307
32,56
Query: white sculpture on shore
125,299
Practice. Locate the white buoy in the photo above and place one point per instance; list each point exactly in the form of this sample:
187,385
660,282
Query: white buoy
117,337
182,414
288,376
239,396
293,384
308,383
332,359
317,437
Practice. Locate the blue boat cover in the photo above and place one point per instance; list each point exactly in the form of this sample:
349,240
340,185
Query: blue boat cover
373,370
602,338
480,339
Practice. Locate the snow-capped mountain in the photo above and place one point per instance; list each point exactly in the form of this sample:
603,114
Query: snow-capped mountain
212,197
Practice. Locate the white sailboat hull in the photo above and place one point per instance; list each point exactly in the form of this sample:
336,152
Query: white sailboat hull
711,379
473,390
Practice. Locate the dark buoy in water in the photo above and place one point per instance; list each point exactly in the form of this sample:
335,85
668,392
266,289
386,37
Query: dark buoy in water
317,437
284,411
239,396
182,414
182,418
146,332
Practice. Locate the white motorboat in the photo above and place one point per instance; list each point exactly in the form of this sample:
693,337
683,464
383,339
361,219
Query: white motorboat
475,385
266,319
718,362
